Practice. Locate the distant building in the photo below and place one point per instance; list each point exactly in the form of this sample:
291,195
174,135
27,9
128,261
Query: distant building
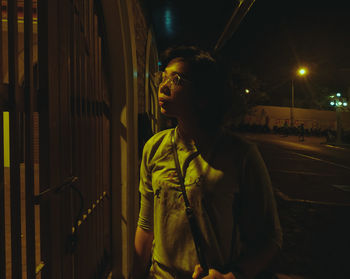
311,118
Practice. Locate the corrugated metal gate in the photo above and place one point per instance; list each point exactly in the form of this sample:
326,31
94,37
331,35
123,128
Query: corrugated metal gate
55,129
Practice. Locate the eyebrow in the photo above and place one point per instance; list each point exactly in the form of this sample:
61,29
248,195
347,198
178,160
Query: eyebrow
175,72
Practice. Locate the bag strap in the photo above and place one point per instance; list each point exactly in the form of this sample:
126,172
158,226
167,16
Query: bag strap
196,234
178,170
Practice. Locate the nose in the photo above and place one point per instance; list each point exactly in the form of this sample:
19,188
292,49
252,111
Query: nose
164,89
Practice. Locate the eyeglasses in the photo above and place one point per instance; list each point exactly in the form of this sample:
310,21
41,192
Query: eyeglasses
175,79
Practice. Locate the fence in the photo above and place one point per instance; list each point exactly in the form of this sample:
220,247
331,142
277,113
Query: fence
55,127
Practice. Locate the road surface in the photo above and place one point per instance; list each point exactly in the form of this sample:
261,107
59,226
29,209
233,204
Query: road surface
310,170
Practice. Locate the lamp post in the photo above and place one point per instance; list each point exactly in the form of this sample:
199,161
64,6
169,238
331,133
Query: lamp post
339,103
302,71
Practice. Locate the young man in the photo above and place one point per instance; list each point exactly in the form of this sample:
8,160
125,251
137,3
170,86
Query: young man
225,179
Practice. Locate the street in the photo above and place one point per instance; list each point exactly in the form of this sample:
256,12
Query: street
306,170
312,182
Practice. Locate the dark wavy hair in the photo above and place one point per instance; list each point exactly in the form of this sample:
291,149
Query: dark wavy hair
208,80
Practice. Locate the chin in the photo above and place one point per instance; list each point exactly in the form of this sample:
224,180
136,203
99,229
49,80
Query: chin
167,112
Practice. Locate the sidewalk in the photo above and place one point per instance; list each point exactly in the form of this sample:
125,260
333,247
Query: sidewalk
316,241
309,140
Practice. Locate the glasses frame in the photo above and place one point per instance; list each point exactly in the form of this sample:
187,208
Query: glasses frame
175,79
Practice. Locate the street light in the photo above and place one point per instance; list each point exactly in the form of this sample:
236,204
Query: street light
339,103
302,71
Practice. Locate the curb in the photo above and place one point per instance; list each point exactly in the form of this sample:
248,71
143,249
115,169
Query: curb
335,145
288,199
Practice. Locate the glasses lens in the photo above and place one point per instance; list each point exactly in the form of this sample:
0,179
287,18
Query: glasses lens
176,79
162,78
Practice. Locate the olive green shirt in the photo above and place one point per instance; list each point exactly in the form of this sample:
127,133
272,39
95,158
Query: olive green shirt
230,191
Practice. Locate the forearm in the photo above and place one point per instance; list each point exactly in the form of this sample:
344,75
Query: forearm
256,261
142,252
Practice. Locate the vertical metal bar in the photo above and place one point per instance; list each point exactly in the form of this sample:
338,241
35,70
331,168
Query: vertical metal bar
54,50
97,100
81,139
1,47
94,218
65,130
15,195
2,201
15,141
92,164
12,28
43,111
75,125
99,145
98,135
92,124
94,57
89,135
51,234
100,188
29,156
83,155
36,188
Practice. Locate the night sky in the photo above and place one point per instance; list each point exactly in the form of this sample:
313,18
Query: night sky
274,38
189,21
277,36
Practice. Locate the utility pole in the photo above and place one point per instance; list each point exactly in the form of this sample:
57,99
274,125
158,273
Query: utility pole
340,104
301,72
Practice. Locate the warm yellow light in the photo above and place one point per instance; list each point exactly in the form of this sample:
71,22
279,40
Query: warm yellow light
247,91
6,133
302,71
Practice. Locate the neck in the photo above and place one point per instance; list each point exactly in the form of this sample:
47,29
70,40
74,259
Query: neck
191,131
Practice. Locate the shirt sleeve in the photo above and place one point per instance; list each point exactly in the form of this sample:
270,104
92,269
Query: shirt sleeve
259,220
145,220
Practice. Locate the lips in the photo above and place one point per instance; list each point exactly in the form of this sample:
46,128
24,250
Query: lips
162,101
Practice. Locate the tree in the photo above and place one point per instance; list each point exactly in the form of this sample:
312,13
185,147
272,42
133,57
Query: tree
247,92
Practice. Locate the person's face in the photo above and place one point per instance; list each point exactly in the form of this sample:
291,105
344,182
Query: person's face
174,99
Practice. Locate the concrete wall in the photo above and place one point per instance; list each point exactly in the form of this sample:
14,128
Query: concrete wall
312,118
127,34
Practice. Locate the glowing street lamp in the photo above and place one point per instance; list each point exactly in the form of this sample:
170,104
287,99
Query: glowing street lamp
302,71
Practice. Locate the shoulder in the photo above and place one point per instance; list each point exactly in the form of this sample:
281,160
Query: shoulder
234,151
236,144
158,138
157,143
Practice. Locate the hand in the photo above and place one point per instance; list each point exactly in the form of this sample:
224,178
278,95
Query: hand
213,274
